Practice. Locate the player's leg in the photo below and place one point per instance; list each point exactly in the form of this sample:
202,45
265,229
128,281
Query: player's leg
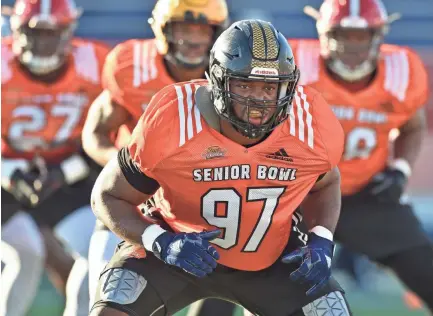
75,231
414,268
271,292
23,254
211,307
103,243
59,262
389,233
135,283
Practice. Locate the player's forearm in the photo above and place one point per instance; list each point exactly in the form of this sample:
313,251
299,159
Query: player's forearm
99,147
322,205
408,144
121,217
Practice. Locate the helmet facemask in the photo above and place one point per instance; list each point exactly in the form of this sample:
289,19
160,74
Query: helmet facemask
43,47
253,118
352,53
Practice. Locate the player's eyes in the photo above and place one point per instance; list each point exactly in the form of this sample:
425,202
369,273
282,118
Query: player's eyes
269,88
243,86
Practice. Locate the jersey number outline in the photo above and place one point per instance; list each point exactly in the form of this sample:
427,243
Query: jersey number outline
352,149
38,122
233,207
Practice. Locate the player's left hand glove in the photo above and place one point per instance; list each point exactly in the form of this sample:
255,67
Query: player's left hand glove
388,185
315,259
42,181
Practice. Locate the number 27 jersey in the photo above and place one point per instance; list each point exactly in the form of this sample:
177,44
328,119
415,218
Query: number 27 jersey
208,181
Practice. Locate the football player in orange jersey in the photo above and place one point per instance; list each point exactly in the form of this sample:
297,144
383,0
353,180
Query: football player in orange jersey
373,89
134,71
230,160
49,79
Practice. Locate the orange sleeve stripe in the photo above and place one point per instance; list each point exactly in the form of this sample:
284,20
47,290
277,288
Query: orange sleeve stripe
300,117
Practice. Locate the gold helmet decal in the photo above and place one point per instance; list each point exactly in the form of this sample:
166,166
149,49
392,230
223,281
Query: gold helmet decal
212,12
265,46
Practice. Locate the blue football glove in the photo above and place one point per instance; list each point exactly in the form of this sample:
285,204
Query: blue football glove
387,185
191,252
315,258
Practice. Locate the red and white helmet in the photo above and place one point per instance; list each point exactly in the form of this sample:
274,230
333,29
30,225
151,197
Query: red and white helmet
354,57
42,31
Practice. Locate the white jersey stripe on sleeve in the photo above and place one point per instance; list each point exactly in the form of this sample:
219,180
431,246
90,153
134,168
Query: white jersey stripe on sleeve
388,73
153,69
404,82
309,120
145,62
137,68
292,119
181,109
300,113
190,114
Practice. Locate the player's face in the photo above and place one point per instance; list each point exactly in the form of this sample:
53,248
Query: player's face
43,42
352,46
192,41
43,47
261,103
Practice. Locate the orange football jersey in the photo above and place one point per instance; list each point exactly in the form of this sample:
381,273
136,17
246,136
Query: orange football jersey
399,89
208,181
134,71
47,119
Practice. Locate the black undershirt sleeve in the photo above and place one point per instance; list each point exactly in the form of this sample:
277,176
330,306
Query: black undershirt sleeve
134,175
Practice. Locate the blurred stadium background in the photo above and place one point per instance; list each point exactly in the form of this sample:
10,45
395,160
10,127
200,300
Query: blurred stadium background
377,292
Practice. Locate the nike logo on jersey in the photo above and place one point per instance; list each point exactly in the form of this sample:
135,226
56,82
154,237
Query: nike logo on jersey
280,155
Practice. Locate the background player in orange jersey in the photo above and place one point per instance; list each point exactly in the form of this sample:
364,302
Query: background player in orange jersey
136,70
238,162
49,79
373,89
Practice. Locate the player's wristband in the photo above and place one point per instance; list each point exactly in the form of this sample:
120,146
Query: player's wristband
150,234
402,165
74,169
322,232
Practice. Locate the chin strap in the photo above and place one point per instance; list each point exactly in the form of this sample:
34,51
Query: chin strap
205,105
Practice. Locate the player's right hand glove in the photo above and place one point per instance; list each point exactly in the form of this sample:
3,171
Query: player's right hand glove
191,252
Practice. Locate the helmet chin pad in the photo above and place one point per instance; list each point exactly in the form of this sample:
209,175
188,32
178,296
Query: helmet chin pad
351,74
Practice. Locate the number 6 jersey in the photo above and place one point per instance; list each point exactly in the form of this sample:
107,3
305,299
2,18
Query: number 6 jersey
44,118
208,181
398,90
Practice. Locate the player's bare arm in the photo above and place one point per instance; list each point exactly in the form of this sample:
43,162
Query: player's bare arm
104,119
321,207
408,144
114,202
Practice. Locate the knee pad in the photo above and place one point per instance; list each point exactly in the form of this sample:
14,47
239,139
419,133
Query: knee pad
332,304
121,286
102,246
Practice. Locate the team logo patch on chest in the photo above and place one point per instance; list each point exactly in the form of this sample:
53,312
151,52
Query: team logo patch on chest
214,152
